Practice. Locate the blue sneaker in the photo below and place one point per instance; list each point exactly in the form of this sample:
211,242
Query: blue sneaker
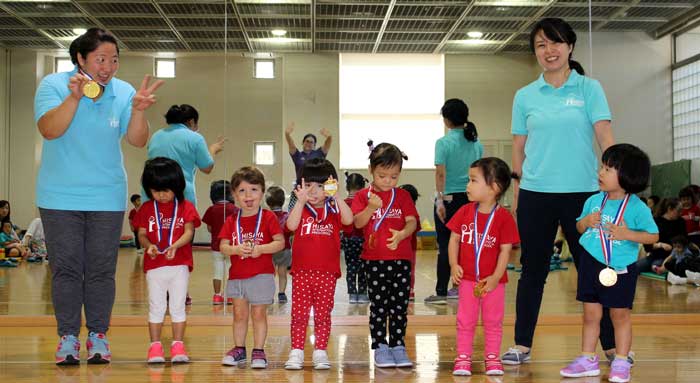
98,349
400,357
68,351
383,356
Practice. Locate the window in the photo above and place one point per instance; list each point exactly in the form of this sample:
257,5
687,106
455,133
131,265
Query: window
63,64
391,98
264,153
686,111
264,68
165,68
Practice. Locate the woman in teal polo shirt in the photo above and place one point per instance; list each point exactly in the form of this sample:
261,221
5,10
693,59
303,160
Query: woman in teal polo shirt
81,185
454,153
555,121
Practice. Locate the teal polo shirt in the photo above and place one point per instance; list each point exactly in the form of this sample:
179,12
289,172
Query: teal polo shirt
456,153
83,169
187,148
558,123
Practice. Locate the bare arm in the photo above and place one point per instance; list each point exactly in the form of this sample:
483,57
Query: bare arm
137,132
276,245
604,134
288,136
346,217
440,189
327,143
294,217
55,122
517,159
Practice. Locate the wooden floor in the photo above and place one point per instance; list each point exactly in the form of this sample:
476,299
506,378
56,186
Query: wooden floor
666,340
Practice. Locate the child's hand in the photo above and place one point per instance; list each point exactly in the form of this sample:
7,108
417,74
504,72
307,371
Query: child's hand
491,282
302,192
170,252
152,251
593,220
456,273
374,202
246,249
617,232
392,243
255,252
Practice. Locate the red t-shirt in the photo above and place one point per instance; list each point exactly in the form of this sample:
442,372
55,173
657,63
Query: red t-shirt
402,208
250,267
282,219
146,218
132,217
317,244
503,231
215,216
414,237
691,225
350,230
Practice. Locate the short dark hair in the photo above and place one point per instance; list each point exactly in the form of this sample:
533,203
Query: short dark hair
275,196
220,190
134,197
179,114
88,42
559,31
307,135
411,190
162,173
354,181
386,155
632,164
655,198
680,240
688,192
249,174
4,203
318,170
667,204
495,171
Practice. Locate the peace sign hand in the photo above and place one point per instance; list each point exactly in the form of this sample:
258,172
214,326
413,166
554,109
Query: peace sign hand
302,192
144,97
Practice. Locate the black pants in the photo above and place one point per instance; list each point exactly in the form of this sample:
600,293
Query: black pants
538,217
443,239
354,270
388,287
136,240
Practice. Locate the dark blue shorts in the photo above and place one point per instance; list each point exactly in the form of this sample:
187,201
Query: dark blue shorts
590,290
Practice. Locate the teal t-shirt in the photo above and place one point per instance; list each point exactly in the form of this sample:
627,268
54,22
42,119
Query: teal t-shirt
558,123
637,217
456,153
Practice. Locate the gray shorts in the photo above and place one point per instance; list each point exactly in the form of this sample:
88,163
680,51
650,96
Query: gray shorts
282,258
258,290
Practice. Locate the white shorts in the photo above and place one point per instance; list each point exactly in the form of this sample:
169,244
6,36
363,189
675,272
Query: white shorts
221,265
167,286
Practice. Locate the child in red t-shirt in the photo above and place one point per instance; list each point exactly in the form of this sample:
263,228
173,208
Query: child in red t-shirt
274,198
690,213
250,237
414,238
166,226
214,217
387,216
316,220
136,201
483,234
351,243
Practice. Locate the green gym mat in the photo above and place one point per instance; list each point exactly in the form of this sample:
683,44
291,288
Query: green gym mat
650,275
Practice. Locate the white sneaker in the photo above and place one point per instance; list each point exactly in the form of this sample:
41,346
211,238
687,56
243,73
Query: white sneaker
693,277
296,360
320,359
675,279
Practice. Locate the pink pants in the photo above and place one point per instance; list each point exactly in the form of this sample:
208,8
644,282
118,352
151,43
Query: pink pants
312,288
492,306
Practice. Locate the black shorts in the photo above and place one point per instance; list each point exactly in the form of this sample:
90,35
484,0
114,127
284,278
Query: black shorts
590,290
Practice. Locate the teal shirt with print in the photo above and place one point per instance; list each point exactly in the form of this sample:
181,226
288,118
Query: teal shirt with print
456,153
558,123
637,217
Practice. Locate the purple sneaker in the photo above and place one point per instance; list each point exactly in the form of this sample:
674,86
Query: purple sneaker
453,293
620,371
581,367
258,359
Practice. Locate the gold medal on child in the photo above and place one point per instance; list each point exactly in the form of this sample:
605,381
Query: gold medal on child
91,89
371,243
607,277
330,187
480,289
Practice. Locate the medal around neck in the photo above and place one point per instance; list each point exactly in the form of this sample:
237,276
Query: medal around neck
480,289
91,89
607,277
330,187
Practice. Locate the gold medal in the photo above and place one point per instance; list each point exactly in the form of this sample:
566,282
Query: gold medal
372,242
607,277
249,243
330,187
479,289
91,89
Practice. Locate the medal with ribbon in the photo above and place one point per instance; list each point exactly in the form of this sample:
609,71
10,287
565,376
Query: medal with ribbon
479,247
327,205
372,237
159,226
608,276
239,233
92,88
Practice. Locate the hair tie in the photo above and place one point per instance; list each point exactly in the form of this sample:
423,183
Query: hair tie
370,144
404,156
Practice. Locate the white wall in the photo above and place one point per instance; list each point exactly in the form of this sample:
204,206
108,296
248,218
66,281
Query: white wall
688,44
4,125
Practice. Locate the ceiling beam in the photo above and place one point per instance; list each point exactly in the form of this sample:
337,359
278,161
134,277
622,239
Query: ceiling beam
620,12
677,23
454,27
527,25
170,24
98,23
239,19
30,24
385,22
313,25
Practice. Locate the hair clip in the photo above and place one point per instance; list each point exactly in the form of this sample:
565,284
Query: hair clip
370,144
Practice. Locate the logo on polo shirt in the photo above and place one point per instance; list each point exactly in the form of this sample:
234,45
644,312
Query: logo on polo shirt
114,122
573,100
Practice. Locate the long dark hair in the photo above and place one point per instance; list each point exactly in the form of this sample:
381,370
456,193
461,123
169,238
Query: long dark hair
4,203
457,112
558,31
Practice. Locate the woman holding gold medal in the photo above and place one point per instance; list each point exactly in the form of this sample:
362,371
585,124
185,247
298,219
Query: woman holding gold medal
81,186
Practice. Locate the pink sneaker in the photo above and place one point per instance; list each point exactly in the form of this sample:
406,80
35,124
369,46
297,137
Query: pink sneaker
229,301
155,353
581,367
178,353
619,371
463,365
217,299
493,365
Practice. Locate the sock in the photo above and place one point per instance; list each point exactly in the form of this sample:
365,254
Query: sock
257,349
152,343
623,357
589,355
175,341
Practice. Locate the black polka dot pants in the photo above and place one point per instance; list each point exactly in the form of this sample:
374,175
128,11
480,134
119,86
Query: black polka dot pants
354,273
388,287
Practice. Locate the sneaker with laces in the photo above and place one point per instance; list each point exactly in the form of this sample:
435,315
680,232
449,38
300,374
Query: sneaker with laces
320,359
493,365
217,299
362,298
258,359
619,371
282,298
178,354
630,357
675,279
383,356
155,353
463,365
581,367
514,357
401,357
435,300
68,351
98,348
296,360
453,293
235,357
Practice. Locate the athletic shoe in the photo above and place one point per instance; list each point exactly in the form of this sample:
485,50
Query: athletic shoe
352,298
188,300
514,357
68,351
155,353
693,277
400,356
581,367
217,299
453,293
258,359
383,356
98,349
463,365
362,298
320,359
630,357
282,297
229,301
296,360
675,279
235,357
619,371
178,353
493,365
436,300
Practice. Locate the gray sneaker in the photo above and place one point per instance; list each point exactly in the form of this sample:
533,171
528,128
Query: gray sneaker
436,300
383,356
514,357
362,298
453,293
630,357
400,356
353,298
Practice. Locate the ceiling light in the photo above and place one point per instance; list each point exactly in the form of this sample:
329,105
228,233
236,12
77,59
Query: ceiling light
279,32
475,34
79,31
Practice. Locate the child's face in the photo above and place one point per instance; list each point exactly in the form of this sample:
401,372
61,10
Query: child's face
678,248
7,228
162,196
317,196
607,179
248,196
477,188
137,203
385,178
686,202
650,203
